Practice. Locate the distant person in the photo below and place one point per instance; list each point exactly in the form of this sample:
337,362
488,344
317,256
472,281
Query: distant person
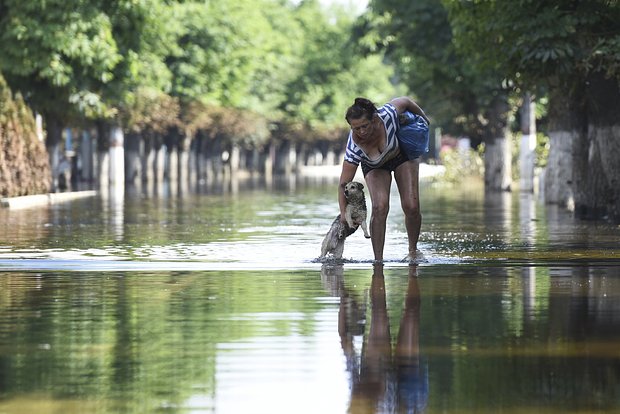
373,143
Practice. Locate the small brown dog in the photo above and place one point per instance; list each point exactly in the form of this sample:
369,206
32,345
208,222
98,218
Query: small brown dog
355,216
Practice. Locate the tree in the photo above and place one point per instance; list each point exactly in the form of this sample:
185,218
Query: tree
229,52
572,50
460,95
56,52
333,72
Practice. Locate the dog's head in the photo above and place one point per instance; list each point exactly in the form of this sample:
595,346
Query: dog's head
353,189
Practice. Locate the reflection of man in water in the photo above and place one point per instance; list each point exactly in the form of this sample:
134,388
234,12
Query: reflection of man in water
386,380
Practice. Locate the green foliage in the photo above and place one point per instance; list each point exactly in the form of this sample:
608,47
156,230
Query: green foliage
244,127
543,146
294,63
53,50
57,41
418,39
277,62
532,41
604,57
145,35
236,54
461,164
457,57
151,112
333,73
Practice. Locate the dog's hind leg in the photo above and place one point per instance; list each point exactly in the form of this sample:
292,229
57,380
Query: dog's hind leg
331,238
339,249
324,249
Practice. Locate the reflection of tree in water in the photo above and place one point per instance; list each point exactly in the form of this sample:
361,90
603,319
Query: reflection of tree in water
383,378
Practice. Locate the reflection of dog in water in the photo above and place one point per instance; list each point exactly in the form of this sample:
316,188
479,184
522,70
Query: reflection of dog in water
355,216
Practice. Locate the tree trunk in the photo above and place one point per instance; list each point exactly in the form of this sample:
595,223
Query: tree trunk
103,155
558,188
159,159
148,158
235,160
87,154
117,157
215,163
270,161
184,164
597,172
172,142
527,151
498,148
598,175
199,162
133,165
585,125
52,143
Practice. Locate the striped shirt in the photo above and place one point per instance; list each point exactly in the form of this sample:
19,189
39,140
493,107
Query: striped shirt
354,154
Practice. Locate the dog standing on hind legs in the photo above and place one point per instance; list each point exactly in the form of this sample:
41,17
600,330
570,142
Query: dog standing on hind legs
355,216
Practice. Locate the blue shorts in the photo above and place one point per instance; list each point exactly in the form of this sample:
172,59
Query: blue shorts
413,135
389,165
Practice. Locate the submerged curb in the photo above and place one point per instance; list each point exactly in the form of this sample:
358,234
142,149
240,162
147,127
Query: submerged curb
44,199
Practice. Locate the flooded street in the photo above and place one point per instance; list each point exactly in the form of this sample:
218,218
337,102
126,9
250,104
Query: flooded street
215,302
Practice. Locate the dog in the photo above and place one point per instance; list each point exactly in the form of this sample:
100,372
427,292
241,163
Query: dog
355,216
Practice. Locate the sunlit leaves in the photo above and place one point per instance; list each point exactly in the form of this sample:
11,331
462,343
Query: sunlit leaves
332,72
539,40
283,60
418,38
57,41
151,111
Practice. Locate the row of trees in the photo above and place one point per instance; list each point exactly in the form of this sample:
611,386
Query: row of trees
257,72
246,73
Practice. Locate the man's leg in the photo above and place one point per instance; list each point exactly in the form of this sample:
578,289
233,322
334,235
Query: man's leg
378,183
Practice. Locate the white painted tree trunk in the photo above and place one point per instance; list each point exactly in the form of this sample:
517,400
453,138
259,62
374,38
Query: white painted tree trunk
54,160
498,147
103,169
183,168
159,162
171,169
133,162
117,157
235,159
86,156
527,151
497,167
596,182
559,171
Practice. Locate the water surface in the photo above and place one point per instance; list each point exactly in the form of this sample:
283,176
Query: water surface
213,302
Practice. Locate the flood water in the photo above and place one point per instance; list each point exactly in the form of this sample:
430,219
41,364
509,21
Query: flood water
214,302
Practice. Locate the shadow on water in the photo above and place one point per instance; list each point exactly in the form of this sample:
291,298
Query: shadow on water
159,302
